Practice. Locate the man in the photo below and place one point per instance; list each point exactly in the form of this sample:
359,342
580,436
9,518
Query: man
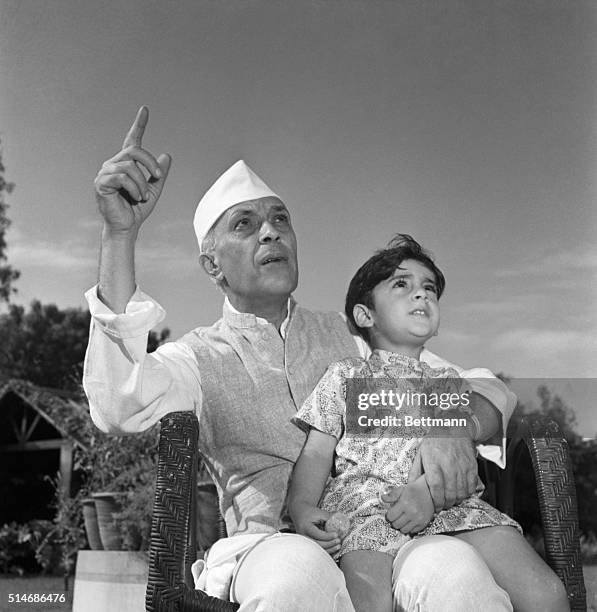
244,377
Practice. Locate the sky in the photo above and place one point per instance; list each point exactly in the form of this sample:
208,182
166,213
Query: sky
468,124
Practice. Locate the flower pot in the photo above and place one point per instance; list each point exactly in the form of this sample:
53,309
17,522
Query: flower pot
91,526
106,505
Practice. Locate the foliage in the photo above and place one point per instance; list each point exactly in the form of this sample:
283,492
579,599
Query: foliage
8,275
588,549
68,531
584,459
127,464
119,464
22,548
45,345
134,522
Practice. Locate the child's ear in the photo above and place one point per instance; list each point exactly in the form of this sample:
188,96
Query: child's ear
362,316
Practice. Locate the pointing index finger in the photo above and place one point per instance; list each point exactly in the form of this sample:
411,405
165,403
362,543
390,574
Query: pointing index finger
135,134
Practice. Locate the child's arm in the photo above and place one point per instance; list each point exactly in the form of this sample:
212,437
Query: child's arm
412,506
306,486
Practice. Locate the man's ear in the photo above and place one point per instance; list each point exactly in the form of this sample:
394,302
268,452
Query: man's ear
207,262
362,315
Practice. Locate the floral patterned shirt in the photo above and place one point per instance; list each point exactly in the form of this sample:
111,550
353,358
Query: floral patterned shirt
365,464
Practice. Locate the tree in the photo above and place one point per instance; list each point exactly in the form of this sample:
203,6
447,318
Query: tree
7,273
45,345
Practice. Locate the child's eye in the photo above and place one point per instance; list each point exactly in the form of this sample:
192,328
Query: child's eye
399,283
431,288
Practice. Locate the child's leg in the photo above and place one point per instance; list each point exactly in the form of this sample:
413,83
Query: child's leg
518,569
368,576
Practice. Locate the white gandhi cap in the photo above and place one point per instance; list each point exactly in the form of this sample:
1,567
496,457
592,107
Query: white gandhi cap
238,184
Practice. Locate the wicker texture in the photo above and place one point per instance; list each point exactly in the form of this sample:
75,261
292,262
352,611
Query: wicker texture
556,493
173,549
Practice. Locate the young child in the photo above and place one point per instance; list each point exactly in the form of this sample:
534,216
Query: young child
393,302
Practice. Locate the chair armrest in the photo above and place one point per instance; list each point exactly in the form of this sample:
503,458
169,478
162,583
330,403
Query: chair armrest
550,458
172,549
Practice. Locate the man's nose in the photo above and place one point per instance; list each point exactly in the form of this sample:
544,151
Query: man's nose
268,233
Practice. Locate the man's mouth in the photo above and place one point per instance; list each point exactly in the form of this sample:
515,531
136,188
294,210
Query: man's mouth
274,258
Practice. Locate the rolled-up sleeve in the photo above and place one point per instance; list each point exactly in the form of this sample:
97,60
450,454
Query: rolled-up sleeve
485,383
128,389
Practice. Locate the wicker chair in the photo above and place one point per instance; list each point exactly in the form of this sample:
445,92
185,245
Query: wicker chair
173,539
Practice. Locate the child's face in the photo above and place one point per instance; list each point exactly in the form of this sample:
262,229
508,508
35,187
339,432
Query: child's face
405,311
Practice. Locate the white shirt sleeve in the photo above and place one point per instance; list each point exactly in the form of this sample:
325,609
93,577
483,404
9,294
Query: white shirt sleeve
483,382
128,389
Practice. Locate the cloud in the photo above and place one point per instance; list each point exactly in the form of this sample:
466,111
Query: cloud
167,258
90,223
68,255
498,307
582,258
452,336
81,253
547,352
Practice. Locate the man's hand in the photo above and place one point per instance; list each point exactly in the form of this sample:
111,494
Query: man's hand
309,520
450,467
129,184
411,507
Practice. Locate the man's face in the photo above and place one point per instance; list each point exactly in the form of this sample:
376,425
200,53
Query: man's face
405,308
256,251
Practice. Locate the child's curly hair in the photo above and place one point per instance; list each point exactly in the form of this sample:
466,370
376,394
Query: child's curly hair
380,267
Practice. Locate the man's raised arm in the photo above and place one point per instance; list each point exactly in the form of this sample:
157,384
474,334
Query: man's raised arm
129,390
127,189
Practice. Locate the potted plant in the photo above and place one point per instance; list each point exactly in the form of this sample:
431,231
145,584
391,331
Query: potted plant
120,479
115,477
67,532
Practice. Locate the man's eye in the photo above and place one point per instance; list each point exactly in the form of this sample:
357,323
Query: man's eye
282,218
242,223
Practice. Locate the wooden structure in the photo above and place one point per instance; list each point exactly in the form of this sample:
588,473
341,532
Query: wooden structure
30,421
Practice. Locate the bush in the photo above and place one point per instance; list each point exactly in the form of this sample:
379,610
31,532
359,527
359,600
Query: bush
588,549
125,464
116,464
28,548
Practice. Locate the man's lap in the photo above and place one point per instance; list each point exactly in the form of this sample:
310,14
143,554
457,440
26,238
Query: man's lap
288,572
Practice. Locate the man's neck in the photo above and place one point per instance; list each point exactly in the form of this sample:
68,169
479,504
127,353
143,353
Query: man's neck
273,310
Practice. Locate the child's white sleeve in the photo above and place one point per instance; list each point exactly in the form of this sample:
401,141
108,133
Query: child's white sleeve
485,383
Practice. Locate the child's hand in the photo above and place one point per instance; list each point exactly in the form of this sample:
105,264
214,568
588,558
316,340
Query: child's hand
310,520
412,507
